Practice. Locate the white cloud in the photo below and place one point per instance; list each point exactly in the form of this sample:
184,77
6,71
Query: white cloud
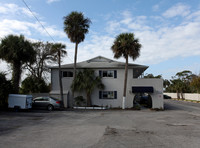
99,45
126,23
194,15
13,9
155,7
14,27
27,28
177,10
163,41
10,25
166,43
51,1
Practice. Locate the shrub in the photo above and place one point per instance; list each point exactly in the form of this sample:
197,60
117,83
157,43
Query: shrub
5,89
79,101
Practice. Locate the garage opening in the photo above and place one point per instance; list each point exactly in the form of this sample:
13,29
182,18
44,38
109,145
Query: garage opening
144,100
142,96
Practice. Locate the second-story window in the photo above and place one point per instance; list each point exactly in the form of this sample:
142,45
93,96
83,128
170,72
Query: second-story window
67,74
108,73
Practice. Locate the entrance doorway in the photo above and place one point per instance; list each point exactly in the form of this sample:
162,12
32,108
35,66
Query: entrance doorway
143,99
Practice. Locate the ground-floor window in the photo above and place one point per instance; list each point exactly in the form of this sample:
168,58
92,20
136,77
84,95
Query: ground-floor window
107,94
67,74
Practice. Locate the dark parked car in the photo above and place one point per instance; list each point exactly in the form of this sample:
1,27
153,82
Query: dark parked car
48,103
166,97
143,99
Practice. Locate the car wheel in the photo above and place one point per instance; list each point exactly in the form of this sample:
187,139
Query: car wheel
49,107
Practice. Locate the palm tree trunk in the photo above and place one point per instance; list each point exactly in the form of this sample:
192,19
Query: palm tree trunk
60,81
16,75
125,84
89,103
74,75
75,59
178,96
182,95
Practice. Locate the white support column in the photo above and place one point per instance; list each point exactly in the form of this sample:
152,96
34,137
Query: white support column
123,102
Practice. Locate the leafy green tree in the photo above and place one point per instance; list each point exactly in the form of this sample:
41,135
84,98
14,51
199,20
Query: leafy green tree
152,76
87,81
166,83
185,75
5,89
76,27
17,51
195,83
58,52
126,45
43,57
34,84
180,83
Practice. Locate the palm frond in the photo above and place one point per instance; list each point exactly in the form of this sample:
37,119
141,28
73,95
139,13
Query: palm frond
126,45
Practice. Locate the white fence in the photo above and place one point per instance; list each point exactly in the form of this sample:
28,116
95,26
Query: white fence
187,96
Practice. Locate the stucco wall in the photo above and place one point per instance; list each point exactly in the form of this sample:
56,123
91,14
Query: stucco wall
113,84
157,96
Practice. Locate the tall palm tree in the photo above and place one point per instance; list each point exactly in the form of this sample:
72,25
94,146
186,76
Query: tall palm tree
17,51
87,81
59,52
76,26
126,45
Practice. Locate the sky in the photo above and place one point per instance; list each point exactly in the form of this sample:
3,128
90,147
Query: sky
169,30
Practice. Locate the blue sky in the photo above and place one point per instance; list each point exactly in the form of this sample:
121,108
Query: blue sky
169,30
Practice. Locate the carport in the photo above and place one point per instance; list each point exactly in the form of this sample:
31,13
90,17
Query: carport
152,88
142,95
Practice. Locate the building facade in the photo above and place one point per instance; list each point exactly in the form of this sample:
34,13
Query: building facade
112,74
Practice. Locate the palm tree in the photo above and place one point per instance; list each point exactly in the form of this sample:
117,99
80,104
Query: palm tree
16,51
59,52
87,81
76,26
126,45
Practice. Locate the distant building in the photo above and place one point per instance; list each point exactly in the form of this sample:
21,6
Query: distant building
112,73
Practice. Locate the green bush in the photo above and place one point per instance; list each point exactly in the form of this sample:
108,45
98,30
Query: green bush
79,101
34,85
5,89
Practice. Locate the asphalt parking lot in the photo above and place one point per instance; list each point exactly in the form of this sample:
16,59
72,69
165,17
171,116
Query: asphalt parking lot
177,127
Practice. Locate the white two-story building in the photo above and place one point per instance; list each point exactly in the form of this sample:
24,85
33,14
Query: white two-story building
112,73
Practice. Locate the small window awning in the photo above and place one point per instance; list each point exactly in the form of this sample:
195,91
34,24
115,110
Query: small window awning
142,89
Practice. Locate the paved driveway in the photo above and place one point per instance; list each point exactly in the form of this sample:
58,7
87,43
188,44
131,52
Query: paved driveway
177,127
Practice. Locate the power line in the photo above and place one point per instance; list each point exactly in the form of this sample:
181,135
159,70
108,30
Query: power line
41,24
38,20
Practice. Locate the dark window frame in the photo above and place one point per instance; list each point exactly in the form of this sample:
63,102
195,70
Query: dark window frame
103,94
67,74
108,73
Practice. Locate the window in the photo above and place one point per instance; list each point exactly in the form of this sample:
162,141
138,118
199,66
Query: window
67,74
107,94
108,73
41,99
